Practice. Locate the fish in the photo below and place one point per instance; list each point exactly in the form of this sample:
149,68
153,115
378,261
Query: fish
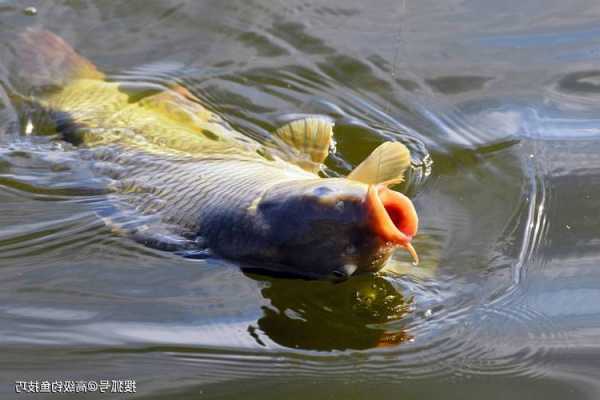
197,184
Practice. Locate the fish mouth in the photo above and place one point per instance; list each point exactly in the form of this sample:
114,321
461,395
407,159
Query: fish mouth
392,217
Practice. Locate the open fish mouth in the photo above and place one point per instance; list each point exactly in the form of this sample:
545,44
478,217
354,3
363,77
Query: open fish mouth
392,216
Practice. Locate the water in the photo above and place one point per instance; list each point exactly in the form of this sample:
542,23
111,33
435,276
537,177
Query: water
503,97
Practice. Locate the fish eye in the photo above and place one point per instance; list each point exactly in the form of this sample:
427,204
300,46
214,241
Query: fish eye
322,190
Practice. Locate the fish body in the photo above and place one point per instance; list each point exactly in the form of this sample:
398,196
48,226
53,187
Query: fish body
202,184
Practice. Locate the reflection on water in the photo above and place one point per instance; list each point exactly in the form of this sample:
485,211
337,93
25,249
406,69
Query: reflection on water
333,316
502,99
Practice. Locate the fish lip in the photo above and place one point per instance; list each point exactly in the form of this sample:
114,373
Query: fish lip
392,217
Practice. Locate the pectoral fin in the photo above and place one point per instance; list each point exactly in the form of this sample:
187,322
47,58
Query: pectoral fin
386,164
306,141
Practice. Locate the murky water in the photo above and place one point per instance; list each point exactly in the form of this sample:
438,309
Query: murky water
504,97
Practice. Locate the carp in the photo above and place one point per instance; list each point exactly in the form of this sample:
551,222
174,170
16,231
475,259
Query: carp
197,183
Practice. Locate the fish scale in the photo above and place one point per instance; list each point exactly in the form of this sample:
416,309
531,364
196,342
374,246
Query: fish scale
193,188
180,172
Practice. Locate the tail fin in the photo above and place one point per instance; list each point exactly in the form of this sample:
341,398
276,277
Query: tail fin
45,60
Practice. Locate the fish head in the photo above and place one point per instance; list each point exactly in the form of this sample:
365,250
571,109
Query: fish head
336,227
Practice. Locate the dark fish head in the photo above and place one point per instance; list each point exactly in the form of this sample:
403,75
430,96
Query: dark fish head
336,227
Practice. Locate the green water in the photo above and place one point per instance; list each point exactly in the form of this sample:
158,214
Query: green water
503,97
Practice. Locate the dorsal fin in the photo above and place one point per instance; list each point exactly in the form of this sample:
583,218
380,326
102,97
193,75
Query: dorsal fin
386,164
47,60
307,141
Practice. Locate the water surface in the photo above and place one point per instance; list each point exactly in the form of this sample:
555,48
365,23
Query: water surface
503,98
